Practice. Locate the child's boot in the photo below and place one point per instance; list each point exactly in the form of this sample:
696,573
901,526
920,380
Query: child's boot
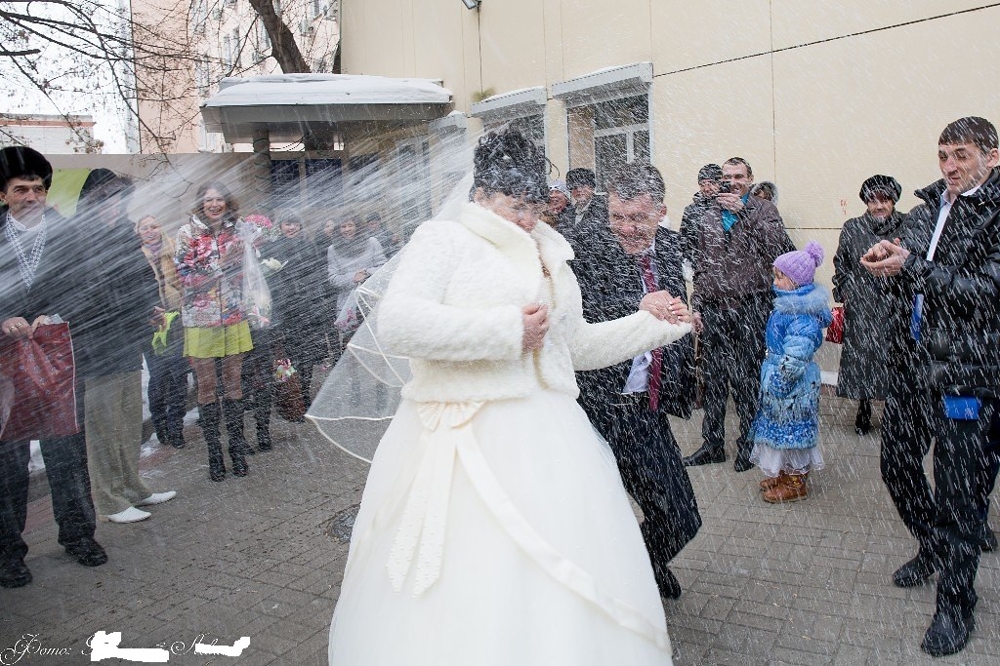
772,481
791,489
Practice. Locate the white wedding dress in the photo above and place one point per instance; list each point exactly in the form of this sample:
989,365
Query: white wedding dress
494,529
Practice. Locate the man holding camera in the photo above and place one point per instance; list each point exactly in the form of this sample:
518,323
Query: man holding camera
738,239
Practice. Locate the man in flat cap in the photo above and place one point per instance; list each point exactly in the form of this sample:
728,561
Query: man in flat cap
864,355
709,177
35,260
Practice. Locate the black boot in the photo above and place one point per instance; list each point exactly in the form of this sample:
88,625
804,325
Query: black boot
262,415
234,428
160,429
863,420
742,462
706,455
175,433
176,439
208,419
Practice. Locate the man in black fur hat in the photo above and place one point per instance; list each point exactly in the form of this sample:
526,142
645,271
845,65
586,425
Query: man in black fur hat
35,260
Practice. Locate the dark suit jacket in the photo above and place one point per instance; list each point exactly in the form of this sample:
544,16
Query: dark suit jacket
594,221
612,287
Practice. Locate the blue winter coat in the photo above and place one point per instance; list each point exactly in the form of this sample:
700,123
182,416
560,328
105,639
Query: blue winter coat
788,415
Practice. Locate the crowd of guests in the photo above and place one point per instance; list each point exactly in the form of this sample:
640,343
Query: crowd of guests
919,294
175,301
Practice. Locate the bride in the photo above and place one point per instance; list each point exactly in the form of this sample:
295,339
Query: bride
494,528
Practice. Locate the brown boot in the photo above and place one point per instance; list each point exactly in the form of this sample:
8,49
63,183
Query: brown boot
792,489
772,481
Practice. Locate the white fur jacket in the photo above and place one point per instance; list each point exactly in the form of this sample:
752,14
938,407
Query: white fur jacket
454,307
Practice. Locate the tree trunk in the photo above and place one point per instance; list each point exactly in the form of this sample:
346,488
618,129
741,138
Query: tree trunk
284,49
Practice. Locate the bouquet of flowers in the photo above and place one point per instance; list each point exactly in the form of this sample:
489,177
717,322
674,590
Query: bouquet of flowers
283,370
268,229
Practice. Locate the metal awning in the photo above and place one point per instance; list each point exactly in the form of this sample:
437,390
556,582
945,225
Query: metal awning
287,106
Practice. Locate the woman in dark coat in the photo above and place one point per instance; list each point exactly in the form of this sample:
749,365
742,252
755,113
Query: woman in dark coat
297,296
863,358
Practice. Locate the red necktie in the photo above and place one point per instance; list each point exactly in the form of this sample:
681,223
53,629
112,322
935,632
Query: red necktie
656,367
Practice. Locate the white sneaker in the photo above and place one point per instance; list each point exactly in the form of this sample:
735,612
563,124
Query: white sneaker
129,515
157,498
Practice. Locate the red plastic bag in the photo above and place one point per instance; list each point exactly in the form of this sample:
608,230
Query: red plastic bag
835,331
38,385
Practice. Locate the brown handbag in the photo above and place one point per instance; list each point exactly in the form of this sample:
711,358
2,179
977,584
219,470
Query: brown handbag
288,399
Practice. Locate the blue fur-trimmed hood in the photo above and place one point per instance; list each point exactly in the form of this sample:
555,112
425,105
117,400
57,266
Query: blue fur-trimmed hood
810,299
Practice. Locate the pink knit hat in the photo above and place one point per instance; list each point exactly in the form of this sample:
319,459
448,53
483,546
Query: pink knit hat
800,265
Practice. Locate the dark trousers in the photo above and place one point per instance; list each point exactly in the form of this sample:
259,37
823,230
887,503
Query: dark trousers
946,521
69,482
167,390
258,369
733,349
649,461
991,467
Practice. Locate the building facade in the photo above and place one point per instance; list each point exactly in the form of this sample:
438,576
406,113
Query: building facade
51,134
817,96
204,41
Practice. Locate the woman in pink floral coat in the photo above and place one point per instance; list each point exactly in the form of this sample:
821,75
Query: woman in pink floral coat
210,267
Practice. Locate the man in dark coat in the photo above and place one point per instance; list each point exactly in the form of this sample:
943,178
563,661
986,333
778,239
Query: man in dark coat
36,257
559,213
864,355
628,267
945,273
590,210
117,292
738,240
708,187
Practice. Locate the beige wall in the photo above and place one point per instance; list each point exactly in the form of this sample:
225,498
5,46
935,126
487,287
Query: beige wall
168,103
817,96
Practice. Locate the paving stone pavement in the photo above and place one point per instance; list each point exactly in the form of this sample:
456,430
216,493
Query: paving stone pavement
803,583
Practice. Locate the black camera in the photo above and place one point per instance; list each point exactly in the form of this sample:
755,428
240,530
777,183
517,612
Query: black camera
724,187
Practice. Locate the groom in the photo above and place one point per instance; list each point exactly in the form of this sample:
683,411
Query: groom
628,403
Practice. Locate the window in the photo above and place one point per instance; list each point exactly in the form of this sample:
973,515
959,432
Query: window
621,133
201,75
263,45
413,186
521,109
237,48
199,15
227,53
607,116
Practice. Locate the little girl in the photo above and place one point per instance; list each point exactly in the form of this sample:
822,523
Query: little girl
786,428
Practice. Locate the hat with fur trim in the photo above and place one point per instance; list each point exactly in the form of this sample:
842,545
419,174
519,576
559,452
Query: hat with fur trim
23,162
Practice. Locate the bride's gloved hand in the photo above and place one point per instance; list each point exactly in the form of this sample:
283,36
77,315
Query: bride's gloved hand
536,324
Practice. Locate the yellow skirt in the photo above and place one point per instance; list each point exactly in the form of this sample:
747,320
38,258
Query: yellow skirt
217,341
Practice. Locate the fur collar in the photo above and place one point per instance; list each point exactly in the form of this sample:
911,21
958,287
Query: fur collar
543,245
810,299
